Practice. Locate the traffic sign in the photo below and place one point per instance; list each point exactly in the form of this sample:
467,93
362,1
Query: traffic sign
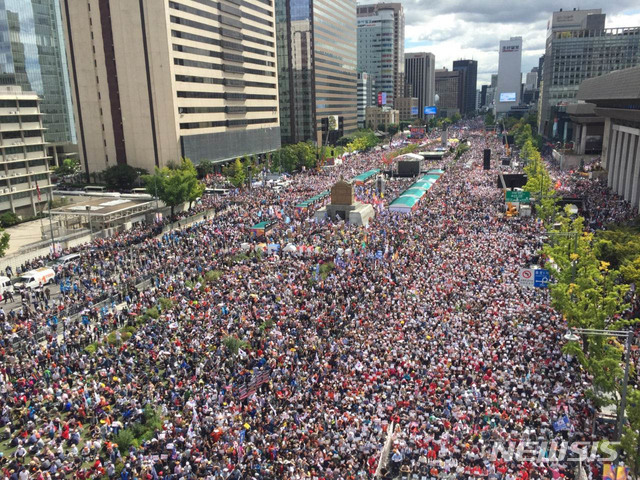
534,277
541,278
518,197
526,277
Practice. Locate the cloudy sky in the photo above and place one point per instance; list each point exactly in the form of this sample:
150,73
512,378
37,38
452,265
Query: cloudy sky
462,29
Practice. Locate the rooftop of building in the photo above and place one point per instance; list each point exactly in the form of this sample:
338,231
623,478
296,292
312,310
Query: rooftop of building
618,85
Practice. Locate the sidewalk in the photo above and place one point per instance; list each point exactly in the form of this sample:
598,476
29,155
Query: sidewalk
25,234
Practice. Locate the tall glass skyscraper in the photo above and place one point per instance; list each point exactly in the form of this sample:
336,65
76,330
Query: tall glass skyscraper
32,55
317,78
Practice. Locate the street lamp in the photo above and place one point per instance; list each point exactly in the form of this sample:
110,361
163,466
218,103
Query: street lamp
573,336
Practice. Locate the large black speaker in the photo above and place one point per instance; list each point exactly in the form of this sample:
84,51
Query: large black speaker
487,158
512,180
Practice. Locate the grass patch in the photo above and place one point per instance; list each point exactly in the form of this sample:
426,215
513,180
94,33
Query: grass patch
326,269
213,276
234,344
165,303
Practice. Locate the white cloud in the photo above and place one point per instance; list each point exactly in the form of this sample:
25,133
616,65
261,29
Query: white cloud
472,29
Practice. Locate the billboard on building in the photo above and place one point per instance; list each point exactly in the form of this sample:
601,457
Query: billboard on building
508,97
382,98
417,132
430,110
414,110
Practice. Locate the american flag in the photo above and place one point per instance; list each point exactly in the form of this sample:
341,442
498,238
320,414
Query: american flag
256,381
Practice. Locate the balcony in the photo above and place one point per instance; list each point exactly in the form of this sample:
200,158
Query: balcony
10,127
32,126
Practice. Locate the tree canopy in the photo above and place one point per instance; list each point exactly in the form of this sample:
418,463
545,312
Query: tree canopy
175,185
122,177
4,242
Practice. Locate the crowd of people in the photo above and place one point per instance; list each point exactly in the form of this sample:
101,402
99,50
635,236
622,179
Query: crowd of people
245,363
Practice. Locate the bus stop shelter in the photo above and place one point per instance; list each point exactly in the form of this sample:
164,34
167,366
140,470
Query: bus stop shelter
100,213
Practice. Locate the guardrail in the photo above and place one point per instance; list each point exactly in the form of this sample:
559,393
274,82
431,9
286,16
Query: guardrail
386,449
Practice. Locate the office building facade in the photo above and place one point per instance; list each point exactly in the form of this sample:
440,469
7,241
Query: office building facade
381,46
509,85
379,118
420,73
483,95
469,69
25,178
32,56
156,81
408,108
366,96
449,91
614,99
317,67
579,47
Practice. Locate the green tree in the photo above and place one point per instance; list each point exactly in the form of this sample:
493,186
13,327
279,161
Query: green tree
305,153
204,168
539,182
523,134
193,187
392,129
69,166
489,119
288,159
631,438
236,173
455,118
122,176
175,185
8,219
588,295
4,242
528,152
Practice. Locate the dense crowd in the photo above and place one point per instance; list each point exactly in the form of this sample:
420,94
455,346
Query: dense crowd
239,363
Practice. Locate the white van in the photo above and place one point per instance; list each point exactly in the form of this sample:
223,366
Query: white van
67,259
5,285
35,278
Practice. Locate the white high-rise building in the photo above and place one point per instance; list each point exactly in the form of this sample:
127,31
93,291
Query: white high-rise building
381,47
420,72
25,179
531,82
509,75
366,96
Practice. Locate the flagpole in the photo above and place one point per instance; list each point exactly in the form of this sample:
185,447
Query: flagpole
53,245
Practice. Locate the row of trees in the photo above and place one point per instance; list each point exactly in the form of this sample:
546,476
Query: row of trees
591,275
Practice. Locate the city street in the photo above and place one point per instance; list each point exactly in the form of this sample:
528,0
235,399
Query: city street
417,321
